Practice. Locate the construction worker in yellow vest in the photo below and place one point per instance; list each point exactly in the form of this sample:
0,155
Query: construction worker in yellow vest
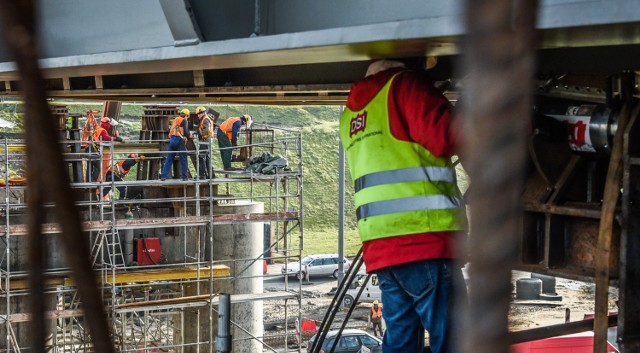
96,169
178,134
399,134
228,136
206,123
118,172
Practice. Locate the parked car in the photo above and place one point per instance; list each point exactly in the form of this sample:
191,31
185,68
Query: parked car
351,341
316,265
370,292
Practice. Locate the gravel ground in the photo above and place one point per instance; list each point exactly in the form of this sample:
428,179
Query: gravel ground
577,296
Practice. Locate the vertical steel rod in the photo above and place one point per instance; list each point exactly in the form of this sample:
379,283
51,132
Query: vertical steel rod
224,339
48,181
499,60
341,171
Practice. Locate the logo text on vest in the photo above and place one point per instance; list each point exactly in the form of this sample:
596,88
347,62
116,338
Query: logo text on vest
359,123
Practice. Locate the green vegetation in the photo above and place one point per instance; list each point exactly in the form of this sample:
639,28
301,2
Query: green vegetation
325,241
320,154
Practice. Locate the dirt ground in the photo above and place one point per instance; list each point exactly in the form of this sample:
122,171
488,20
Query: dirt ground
577,296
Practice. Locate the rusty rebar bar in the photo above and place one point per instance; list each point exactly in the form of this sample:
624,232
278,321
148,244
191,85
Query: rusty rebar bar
499,63
48,181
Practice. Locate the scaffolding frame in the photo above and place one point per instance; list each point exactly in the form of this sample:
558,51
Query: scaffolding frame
136,296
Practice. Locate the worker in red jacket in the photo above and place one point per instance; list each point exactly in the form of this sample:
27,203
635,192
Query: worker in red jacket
97,166
398,135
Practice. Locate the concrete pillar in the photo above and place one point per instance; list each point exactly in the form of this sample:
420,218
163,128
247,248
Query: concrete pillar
242,242
15,250
192,325
19,304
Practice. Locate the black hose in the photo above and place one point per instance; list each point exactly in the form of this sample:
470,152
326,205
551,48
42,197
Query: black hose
333,308
351,308
146,250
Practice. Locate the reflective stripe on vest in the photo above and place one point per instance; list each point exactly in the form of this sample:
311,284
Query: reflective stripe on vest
176,127
401,188
406,204
120,171
405,175
227,126
205,134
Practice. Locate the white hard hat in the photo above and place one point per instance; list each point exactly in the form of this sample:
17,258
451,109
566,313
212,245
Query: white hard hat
248,120
110,121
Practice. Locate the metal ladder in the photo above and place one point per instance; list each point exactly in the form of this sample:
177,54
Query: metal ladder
111,242
109,237
13,340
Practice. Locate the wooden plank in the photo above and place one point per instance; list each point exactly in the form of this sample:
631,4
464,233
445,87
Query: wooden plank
201,300
198,78
161,304
130,276
23,283
158,275
51,228
563,210
50,315
605,230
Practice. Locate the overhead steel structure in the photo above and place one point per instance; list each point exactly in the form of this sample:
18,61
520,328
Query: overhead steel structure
286,51
309,52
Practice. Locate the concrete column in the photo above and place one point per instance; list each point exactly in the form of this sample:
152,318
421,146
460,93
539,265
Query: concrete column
242,242
19,304
193,326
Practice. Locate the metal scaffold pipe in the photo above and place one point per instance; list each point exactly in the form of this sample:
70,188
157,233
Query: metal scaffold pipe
224,339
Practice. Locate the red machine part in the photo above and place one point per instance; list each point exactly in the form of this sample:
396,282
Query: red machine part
148,251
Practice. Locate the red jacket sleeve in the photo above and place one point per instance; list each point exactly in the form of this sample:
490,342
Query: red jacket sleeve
104,136
418,112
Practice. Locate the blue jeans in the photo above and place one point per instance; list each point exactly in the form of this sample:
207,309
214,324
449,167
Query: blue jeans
204,160
176,144
417,296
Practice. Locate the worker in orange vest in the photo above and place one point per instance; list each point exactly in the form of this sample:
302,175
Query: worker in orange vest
118,172
376,318
178,134
207,119
228,136
95,170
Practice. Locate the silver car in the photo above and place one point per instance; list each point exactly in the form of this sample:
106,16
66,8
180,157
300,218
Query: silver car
351,341
315,265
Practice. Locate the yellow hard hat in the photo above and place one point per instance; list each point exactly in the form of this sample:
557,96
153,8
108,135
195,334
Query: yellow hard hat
200,110
185,112
375,302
